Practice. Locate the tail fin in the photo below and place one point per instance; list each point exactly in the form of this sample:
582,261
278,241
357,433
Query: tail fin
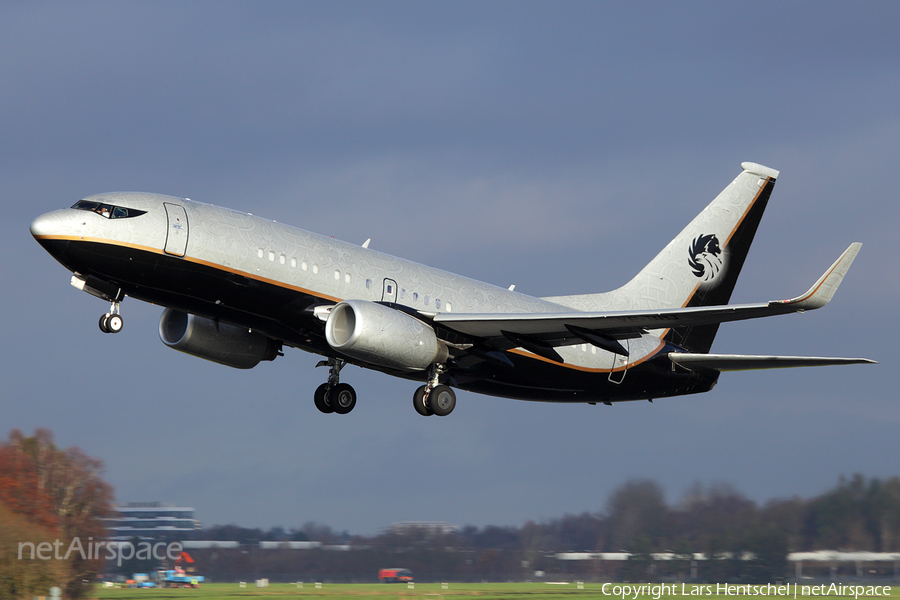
701,265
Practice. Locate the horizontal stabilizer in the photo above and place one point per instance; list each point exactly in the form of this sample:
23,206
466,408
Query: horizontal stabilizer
744,362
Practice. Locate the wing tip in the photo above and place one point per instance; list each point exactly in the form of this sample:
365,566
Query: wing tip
823,290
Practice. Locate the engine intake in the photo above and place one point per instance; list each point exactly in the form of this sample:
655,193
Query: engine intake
381,335
219,342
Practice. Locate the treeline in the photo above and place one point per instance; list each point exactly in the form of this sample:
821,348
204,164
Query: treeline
859,513
744,541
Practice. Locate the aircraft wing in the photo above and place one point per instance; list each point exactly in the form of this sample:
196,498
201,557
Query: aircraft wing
540,332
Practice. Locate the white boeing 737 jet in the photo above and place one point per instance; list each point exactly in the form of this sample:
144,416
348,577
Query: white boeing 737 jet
237,288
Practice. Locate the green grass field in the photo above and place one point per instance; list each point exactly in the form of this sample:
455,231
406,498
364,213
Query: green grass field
424,591
488,591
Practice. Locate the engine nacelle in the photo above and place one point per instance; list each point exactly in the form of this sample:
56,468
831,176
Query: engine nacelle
381,335
219,342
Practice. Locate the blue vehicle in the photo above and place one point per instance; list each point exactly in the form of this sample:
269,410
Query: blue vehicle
178,578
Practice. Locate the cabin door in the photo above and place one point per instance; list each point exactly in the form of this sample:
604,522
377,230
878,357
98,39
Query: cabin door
177,233
390,291
619,362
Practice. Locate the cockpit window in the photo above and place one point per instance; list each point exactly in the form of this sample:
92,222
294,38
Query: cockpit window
108,210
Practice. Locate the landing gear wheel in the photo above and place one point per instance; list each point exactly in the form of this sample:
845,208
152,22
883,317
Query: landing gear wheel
114,323
442,400
342,398
321,399
420,403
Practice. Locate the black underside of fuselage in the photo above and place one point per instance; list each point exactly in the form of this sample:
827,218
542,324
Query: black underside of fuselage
286,315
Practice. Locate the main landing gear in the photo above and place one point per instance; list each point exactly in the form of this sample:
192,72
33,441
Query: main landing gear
334,396
434,398
112,321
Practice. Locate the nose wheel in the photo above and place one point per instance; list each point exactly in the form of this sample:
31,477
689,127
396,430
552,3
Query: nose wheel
112,321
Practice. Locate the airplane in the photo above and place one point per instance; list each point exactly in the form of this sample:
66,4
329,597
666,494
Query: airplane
238,288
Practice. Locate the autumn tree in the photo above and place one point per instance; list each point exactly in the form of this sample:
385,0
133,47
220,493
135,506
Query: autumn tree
60,491
20,487
19,576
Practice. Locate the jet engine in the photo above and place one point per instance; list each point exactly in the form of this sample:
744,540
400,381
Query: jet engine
219,342
381,335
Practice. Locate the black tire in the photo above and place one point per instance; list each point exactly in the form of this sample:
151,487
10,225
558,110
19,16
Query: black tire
114,323
321,399
103,320
442,400
420,404
342,398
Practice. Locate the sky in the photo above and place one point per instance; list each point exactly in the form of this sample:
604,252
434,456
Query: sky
554,146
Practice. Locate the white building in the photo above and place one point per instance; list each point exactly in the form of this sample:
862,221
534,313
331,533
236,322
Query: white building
151,520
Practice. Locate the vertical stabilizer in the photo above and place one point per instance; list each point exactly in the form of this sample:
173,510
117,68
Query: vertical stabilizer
701,265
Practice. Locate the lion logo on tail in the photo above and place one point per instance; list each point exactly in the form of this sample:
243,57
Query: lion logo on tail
705,257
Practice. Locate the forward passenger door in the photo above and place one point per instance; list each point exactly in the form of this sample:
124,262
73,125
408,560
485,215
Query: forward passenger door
177,233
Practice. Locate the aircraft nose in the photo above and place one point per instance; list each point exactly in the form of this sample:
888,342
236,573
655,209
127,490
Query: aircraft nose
50,224
43,225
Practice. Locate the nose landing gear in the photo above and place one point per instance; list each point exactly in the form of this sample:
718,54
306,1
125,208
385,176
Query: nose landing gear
112,321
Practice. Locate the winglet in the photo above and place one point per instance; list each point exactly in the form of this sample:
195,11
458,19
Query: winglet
823,290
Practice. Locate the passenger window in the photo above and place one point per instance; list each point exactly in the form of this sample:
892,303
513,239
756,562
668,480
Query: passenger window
271,256
304,265
368,283
437,303
259,252
426,299
316,269
449,307
346,277
293,263
337,275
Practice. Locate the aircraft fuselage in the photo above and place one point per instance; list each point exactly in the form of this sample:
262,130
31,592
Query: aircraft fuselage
240,269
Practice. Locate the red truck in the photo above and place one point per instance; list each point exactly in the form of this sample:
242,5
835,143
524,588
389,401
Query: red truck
395,575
